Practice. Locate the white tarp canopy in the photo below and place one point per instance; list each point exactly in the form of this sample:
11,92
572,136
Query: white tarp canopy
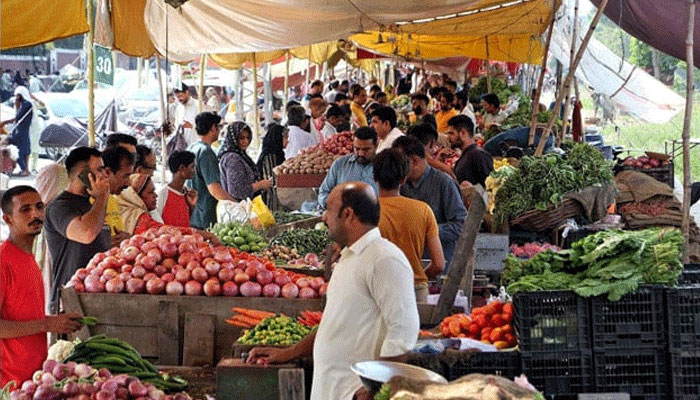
641,96
238,26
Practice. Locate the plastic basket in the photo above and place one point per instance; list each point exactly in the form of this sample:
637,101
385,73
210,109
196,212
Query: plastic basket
635,321
685,375
561,374
552,320
640,372
690,274
503,363
683,304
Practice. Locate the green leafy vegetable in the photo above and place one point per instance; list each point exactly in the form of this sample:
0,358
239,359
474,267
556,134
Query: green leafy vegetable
304,240
384,392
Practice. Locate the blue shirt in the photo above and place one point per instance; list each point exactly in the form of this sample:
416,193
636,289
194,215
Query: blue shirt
442,195
206,172
346,169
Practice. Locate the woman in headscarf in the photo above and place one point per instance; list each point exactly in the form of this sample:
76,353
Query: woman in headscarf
272,153
239,174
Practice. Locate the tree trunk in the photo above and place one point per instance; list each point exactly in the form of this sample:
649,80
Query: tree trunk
655,63
685,225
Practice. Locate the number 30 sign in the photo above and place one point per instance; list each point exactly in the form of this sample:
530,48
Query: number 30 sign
104,65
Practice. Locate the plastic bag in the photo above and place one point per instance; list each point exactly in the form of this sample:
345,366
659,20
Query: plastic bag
227,211
260,210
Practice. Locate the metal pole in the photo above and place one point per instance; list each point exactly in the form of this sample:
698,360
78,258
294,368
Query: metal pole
164,117
567,104
256,112
286,80
488,66
685,224
308,69
202,66
572,67
139,72
91,75
267,93
540,82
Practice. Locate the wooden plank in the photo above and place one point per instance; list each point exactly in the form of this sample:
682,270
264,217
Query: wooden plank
144,339
168,333
291,384
71,303
464,251
240,381
122,309
197,349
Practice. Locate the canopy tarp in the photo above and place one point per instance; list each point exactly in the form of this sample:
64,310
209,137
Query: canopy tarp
511,31
27,23
239,26
661,24
129,28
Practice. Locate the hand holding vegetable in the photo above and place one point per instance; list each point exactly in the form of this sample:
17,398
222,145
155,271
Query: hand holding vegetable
267,355
62,323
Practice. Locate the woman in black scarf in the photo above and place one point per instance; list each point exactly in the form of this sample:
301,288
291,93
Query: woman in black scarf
239,175
272,153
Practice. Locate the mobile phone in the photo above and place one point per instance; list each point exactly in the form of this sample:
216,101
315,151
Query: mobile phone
84,177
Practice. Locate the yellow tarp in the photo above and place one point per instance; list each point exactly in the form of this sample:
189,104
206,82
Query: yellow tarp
31,22
317,53
130,34
513,31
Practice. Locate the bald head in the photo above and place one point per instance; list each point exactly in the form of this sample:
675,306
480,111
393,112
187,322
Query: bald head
351,210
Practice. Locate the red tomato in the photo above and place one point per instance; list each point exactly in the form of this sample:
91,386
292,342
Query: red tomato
498,306
486,332
500,344
497,320
507,328
474,330
508,308
496,335
507,317
481,321
510,339
454,328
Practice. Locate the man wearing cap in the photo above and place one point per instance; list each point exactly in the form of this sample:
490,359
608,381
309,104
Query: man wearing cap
185,113
20,134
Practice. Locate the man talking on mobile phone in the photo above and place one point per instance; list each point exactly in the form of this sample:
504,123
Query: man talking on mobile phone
75,227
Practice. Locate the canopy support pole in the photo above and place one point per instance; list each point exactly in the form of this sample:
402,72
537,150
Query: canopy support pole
308,70
200,94
567,104
572,68
685,224
256,112
139,72
540,81
267,92
286,81
91,75
488,65
164,117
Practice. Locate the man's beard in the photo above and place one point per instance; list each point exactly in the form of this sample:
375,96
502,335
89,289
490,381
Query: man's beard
458,144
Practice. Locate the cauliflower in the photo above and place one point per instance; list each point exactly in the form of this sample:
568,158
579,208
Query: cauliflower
60,350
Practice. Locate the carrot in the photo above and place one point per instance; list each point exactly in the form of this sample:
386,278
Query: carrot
253,313
236,323
247,320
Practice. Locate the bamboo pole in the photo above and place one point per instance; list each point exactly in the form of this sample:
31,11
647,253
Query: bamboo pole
572,67
200,98
488,66
91,75
685,224
540,81
308,69
164,117
567,104
286,80
256,112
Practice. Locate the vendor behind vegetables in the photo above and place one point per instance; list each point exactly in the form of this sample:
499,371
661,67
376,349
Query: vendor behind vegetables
23,324
370,311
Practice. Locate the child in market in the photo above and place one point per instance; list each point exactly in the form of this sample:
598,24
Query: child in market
175,201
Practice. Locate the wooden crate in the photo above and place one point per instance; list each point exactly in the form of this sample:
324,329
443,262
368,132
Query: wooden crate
237,380
300,180
155,325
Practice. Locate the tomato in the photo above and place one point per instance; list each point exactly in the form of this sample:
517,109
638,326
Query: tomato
481,321
511,340
507,328
454,328
498,306
477,311
500,344
507,317
508,308
461,335
497,320
486,332
474,330
485,341
445,330
464,322
490,309
496,335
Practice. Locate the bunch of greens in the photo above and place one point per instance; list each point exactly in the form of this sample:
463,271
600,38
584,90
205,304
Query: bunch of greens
540,182
609,262
305,241
481,88
284,217
384,392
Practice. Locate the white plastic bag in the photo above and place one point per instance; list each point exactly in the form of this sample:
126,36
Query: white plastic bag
227,211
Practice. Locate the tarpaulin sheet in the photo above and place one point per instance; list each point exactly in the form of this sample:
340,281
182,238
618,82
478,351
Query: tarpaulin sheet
663,24
235,26
129,28
31,22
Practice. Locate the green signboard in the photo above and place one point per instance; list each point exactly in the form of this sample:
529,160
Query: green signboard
104,65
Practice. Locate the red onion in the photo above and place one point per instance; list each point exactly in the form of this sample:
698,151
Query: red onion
264,277
169,249
49,365
307,293
225,275
317,282
241,277
168,277
271,290
155,286
282,280
129,253
93,284
137,240
222,255
79,286
174,288
149,262
193,264
160,270
149,276
212,268
323,290
251,271
182,276
148,246
137,389
169,263
127,268
311,258
135,285
250,289
212,287
200,275
115,285
193,288
229,289
81,273
204,252
186,247
156,254
138,272
290,291
303,282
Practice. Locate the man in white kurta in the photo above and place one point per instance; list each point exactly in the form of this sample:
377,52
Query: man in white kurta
370,311
185,113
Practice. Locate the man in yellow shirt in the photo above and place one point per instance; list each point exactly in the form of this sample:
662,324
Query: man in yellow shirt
359,98
119,164
413,234
446,112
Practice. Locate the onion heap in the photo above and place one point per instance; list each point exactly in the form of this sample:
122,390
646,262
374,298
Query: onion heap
319,158
174,261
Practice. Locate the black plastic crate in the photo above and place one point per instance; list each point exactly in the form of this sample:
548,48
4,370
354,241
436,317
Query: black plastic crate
552,320
685,375
635,321
640,372
662,174
683,317
503,363
574,236
690,274
522,237
560,373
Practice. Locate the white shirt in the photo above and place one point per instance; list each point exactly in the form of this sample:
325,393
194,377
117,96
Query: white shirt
370,312
330,96
299,139
469,112
328,130
34,85
383,144
187,112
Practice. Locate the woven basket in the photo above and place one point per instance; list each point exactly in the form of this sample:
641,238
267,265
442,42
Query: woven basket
538,221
